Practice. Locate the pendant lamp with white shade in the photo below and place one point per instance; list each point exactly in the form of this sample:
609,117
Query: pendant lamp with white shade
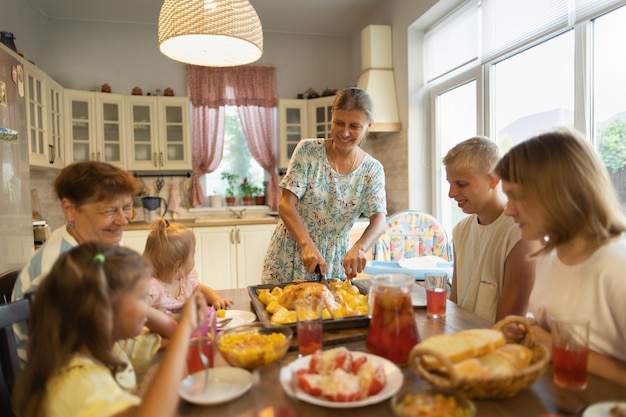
215,33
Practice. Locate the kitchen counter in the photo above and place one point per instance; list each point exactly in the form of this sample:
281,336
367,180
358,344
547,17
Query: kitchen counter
209,222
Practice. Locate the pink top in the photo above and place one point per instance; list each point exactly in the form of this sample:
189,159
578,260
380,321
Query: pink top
162,301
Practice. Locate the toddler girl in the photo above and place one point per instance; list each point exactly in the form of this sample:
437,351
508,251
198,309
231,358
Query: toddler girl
171,248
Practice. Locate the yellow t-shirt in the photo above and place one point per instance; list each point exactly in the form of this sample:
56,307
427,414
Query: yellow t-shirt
86,388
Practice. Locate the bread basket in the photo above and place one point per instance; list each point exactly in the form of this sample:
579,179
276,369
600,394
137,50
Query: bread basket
482,387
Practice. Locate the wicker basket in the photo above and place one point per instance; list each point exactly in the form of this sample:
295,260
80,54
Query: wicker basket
498,386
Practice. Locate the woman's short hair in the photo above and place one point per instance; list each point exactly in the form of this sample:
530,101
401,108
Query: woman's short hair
353,98
93,181
562,175
167,244
479,154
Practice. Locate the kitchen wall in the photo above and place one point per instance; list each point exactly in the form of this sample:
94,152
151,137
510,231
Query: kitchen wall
85,55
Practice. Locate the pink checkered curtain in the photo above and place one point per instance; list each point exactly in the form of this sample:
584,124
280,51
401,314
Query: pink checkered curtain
250,87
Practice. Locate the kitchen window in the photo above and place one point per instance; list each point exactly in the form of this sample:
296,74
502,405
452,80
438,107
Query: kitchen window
562,74
236,159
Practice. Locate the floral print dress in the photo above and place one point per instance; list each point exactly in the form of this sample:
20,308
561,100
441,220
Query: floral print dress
329,204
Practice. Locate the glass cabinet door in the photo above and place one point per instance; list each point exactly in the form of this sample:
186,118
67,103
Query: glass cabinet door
111,146
292,118
55,114
36,141
174,139
142,134
81,117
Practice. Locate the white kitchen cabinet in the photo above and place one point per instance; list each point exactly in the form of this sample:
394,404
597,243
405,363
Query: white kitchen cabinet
44,114
159,133
135,239
292,114
301,119
231,256
320,116
95,126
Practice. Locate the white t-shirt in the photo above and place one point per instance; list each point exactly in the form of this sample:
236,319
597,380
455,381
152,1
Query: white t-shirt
595,288
480,254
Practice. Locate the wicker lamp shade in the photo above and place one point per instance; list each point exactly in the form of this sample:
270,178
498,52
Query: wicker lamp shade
214,33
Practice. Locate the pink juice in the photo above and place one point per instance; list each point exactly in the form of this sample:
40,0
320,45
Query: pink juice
570,367
309,337
194,363
392,331
436,302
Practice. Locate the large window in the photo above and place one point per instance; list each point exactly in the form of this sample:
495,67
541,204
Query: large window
609,95
569,74
456,121
533,91
236,158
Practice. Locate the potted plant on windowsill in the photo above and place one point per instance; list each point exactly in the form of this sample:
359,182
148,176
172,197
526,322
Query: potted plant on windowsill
231,179
247,192
259,194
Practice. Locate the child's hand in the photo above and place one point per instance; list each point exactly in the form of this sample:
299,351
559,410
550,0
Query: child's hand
222,304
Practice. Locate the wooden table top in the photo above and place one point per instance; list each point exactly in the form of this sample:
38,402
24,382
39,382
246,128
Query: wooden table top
542,397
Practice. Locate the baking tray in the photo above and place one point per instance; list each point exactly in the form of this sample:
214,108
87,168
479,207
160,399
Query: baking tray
329,324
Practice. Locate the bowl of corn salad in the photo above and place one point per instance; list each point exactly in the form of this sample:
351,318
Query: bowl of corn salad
254,345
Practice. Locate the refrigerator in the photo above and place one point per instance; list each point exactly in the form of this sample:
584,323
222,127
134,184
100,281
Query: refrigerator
16,227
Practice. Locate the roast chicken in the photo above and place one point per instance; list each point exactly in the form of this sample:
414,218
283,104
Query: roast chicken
307,289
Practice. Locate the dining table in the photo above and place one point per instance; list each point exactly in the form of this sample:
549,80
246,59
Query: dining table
543,396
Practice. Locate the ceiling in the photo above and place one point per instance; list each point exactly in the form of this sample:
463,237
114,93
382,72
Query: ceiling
315,17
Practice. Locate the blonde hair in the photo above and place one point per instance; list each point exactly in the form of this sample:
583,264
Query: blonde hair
76,305
167,244
562,174
479,154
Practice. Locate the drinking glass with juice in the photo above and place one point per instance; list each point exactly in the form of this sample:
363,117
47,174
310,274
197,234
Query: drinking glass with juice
309,327
570,344
206,333
436,293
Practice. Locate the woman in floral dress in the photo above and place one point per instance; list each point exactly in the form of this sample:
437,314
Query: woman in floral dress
329,184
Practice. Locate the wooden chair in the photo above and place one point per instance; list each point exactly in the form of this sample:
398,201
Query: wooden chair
10,314
7,282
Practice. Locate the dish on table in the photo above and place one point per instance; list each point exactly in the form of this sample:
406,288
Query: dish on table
602,409
393,385
225,384
238,317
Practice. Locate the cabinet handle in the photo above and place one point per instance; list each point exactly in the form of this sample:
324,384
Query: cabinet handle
98,156
238,238
154,159
232,236
161,158
93,156
51,154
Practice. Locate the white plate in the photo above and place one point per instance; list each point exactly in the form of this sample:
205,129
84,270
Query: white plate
393,385
418,296
602,409
418,300
225,383
238,317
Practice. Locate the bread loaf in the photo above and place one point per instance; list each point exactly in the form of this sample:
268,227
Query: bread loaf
505,360
461,346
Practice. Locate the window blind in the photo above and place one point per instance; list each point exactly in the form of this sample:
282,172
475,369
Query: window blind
452,42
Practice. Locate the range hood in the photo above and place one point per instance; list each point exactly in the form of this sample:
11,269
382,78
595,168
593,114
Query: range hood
377,77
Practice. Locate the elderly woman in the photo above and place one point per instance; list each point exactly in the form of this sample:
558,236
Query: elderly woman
97,202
